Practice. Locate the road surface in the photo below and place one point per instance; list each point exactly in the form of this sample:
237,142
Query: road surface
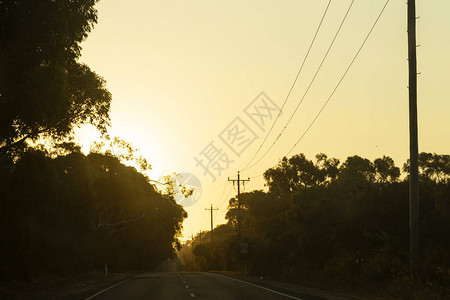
193,285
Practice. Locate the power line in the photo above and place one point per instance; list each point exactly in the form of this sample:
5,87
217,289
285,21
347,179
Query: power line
239,214
308,88
203,220
212,224
226,197
257,176
293,84
342,78
223,192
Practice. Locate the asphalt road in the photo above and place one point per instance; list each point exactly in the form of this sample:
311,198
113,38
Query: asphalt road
192,285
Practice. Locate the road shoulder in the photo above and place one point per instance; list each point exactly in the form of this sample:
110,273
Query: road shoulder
290,287
65,288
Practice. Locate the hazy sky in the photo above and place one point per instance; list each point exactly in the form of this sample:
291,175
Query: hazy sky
182,73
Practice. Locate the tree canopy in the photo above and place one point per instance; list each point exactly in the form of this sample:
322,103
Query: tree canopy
345,223
75,212
44,89
63,211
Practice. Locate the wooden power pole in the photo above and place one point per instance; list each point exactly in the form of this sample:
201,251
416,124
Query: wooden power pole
212,227
239,214
413,140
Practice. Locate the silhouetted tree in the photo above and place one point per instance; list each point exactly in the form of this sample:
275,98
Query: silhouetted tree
345,223
73,213
44,89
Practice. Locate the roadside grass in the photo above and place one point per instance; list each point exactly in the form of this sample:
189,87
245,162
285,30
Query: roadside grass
60,287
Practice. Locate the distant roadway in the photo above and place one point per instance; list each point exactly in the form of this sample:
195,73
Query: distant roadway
193,285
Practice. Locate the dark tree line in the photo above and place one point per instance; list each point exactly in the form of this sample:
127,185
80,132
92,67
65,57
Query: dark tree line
62,211
344,222
74,213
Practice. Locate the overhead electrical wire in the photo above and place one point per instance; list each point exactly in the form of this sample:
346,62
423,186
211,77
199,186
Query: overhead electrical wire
203,220
307,89
226,197
326,102
221,195
293,84
257,176
341,79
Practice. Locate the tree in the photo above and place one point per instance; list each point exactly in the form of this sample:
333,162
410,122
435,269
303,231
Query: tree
328,167
344,224
92,208
122,150
299,172
44,89
433,167
386,170
356,172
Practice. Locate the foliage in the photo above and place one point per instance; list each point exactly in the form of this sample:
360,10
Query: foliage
123,150
344,223
44,89
74,213
433,167
63,211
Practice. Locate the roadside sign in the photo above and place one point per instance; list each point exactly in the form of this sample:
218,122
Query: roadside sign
244,248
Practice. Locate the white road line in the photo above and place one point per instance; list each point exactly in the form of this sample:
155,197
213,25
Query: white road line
102,291
261,287
192,295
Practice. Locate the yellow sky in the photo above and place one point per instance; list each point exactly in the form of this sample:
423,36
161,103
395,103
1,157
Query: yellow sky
181,71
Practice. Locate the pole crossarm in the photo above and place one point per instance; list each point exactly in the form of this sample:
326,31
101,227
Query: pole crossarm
239,215
212,226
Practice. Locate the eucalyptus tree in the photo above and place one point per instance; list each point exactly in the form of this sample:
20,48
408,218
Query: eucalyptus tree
45,91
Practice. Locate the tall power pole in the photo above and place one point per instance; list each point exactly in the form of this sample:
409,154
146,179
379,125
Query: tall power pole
239,214
212,228
413,141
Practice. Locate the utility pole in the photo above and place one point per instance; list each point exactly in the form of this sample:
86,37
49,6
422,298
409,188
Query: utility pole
413,141
212,228
239,215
